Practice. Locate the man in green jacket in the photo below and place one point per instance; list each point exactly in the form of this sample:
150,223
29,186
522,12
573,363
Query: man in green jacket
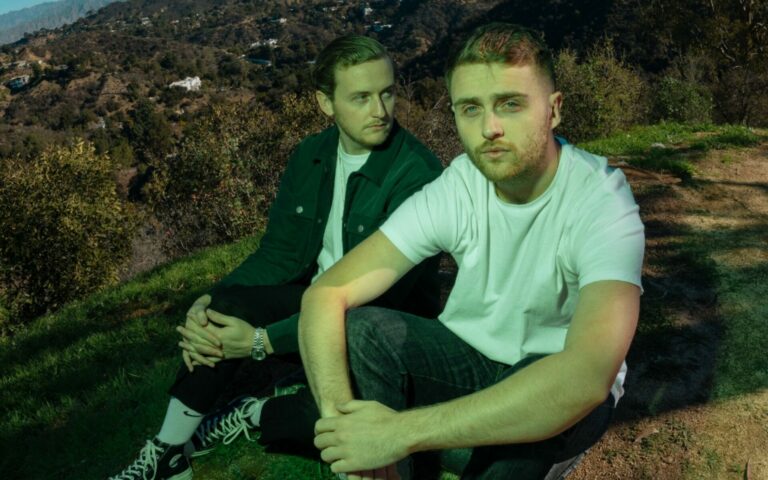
338,187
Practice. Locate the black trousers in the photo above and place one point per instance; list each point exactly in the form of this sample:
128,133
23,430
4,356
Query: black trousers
287,420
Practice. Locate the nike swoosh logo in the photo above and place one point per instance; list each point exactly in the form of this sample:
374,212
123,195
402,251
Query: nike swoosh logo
175,461
193,415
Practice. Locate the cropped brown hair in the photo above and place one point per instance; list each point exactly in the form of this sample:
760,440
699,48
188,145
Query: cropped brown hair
506,43
345,51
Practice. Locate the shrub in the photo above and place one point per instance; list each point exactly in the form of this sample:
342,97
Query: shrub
682,101
219,185
602,95
424,108
63,230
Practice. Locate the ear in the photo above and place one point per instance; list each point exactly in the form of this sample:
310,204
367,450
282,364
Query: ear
324,102
555,103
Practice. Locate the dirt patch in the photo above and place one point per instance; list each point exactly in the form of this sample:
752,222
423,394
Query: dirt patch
706,258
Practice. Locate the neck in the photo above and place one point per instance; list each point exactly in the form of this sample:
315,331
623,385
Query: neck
530,185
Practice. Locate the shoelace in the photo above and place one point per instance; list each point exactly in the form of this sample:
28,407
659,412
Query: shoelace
147,458
229,427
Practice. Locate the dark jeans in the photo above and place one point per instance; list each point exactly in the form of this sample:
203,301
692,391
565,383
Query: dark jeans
288,419
405,361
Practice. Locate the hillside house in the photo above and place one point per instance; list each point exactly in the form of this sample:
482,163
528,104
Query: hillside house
191,84
270,42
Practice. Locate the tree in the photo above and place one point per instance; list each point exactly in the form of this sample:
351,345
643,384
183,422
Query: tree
63,230
149,133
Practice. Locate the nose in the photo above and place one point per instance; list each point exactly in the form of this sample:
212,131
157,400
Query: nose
378,107
492,128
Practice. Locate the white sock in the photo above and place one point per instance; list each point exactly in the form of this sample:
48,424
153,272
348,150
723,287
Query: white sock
254,413
179,424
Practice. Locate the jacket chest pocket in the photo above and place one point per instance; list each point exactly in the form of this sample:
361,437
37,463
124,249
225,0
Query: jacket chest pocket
292,228
360,226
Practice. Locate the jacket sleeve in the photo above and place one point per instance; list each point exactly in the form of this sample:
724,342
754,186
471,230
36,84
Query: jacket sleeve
275,261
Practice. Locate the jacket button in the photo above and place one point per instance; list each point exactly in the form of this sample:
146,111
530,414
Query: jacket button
299,209
360,229
319,220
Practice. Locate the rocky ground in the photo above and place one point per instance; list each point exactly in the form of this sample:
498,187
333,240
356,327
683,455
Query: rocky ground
687,415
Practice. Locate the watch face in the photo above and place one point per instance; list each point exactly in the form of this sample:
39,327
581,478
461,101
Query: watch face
258,354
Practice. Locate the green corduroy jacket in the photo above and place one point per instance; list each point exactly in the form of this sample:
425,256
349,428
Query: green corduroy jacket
289,249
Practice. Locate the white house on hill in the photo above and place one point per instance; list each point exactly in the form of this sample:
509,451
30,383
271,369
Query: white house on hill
192,84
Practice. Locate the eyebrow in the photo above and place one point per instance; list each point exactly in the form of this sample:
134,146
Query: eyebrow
368,92
495,98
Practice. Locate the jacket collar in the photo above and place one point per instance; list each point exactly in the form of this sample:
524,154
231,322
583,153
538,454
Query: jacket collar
378,164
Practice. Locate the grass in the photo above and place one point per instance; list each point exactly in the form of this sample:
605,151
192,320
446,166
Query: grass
86,385
671,147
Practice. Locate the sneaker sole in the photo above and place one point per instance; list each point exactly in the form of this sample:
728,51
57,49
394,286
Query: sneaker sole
200,453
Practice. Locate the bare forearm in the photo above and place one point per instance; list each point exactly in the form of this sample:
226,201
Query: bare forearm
323,349
536,403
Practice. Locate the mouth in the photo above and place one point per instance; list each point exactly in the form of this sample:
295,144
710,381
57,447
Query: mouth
378,126
493,152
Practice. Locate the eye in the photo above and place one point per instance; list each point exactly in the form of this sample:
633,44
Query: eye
386,95
470,110
360,98
510,106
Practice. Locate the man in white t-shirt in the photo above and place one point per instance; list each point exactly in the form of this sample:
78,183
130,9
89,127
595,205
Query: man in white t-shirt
526,361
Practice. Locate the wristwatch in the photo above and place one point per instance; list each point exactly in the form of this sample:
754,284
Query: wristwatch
258,352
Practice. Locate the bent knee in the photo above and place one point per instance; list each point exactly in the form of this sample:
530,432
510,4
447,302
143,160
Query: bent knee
368,327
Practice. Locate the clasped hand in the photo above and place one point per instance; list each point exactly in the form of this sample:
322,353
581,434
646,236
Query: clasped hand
364,441
209,336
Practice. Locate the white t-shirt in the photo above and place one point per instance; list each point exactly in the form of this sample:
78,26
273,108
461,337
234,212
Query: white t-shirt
521,266
333,247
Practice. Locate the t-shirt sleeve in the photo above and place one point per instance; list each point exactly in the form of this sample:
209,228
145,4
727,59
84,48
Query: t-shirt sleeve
426,223
610,243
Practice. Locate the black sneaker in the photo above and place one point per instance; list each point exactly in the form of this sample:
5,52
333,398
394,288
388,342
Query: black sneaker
158,461
224,426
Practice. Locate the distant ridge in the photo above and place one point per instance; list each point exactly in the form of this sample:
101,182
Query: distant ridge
13,25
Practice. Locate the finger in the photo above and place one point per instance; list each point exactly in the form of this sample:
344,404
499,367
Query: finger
326,425
325,440
341,466
220,318
331,454
196,313
199,335
187,361
194,355
202,359
206,349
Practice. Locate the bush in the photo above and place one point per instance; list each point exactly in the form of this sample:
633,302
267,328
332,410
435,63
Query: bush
63,231
601,95
219,185
682,101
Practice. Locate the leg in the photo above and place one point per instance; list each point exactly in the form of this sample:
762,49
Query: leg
260,306
288,422
400,360
405,361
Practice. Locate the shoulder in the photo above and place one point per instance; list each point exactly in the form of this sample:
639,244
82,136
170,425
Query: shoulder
412,150
587,172
461,181
317,140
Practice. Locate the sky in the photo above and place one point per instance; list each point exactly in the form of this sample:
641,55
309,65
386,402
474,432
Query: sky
11,5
